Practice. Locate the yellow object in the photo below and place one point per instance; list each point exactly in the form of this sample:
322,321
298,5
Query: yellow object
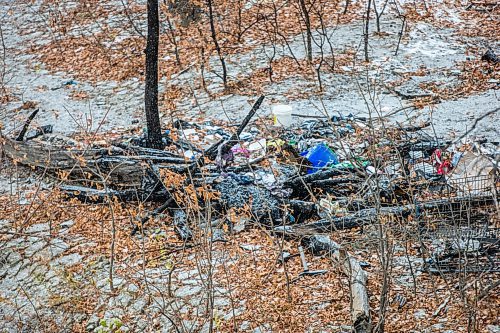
275,143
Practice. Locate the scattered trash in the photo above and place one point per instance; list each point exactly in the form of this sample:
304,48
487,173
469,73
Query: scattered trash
318,176
441,162
284,257
282,115
239,150
66,84
328,208
472,173
257,148
190,155
189,131
400,300
306,271
490,56
364,264
416,155
266,179
210,139
456,158
245,136
249,247
320,156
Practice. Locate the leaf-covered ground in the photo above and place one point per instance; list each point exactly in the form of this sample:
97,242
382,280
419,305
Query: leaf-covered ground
81,63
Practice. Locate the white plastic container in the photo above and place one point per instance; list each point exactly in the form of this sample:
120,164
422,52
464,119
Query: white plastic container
282,115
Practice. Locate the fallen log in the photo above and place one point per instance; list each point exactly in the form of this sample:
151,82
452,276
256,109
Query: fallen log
85,164
354,220
92,195
138,150
155,159
302,210
347,181
129,167
336,186
428,146
298,182
119,168
360,307
370,215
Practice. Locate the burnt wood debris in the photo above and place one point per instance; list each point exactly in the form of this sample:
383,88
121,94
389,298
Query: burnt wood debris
367,174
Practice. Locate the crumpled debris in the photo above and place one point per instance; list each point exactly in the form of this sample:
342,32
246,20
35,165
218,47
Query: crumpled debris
181,225
320,244
264,206
250,247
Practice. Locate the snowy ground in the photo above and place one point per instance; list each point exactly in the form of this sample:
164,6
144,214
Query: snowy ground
117,104
30,284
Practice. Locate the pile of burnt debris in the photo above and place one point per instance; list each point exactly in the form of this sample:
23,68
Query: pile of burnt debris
301,178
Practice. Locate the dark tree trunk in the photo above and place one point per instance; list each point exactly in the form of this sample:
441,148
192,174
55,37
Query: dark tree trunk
367,27
151,94
307,21
216,42
377,15
346,6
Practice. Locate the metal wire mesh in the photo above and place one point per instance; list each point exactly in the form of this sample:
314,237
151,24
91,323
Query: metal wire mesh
462,226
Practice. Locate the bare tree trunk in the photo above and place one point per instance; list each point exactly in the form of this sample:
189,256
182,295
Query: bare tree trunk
173,40
367,26
377,17
240,30
154,139
378,14
307,21
4,65
216,43
400,35
346,6
113,240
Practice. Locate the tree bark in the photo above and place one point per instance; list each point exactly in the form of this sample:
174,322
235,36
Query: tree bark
216,42
360,306
154,139
346,7
307,21
367,29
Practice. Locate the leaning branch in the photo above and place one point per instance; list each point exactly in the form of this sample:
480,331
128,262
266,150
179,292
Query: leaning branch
21,135
211,152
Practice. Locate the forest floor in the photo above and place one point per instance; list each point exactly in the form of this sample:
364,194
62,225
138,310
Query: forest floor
55,254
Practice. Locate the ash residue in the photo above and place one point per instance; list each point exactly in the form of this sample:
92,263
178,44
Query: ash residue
236,194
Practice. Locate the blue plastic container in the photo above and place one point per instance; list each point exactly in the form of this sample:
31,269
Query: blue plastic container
320,156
